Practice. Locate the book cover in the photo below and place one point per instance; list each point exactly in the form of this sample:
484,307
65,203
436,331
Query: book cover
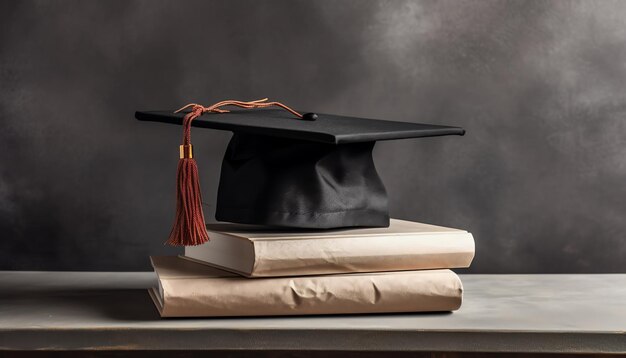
188,289
404,245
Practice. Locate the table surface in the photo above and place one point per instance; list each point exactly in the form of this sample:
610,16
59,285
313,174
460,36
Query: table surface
500,313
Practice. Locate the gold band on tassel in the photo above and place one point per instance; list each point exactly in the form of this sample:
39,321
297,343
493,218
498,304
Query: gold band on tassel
186,151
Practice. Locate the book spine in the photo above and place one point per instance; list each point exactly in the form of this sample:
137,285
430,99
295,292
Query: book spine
369,254
412,291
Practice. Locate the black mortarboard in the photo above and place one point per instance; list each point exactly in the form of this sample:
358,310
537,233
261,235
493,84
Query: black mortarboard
284,169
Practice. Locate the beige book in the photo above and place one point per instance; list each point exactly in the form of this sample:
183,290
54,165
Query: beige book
188,289
404,245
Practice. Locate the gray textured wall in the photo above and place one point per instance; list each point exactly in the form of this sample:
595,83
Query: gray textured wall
540,87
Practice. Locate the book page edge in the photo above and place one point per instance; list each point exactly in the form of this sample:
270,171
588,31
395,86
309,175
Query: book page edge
158,303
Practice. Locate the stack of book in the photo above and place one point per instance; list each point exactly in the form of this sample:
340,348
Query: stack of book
252,271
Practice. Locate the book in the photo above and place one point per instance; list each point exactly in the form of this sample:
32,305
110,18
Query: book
188,289
404,245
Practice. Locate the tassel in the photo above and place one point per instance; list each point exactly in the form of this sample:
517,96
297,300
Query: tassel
189,227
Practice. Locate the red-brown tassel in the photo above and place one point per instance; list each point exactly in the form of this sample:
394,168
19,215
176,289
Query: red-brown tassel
189,227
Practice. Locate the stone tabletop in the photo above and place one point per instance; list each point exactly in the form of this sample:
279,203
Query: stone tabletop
500,313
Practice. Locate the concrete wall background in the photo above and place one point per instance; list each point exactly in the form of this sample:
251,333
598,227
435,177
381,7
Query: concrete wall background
539,86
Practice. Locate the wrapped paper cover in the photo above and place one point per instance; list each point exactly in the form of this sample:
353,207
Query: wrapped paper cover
263,252
188,289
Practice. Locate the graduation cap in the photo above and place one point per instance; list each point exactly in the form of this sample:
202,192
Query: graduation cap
286,169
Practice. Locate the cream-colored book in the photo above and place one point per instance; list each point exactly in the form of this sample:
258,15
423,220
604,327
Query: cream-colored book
188,289
404,245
